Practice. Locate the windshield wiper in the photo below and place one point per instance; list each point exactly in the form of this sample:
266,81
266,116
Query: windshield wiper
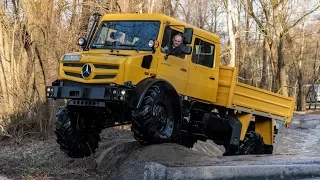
132,47
107,44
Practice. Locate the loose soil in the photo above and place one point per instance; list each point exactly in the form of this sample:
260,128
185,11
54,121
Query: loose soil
35,159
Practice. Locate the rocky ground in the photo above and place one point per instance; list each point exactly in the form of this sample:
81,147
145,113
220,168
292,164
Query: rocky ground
120,157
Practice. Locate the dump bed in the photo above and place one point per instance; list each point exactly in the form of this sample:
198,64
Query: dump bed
256,101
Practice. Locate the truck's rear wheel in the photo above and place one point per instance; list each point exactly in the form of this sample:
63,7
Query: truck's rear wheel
268,149
75,138
153,121
251,144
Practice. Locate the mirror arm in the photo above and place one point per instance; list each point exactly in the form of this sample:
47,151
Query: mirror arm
96,17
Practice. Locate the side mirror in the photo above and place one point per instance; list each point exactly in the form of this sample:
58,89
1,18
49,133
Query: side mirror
187,35
186,49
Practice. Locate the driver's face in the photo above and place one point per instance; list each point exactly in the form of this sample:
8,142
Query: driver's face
176,41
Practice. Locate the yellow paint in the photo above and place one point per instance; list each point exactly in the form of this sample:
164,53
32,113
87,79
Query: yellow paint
265,127
244,118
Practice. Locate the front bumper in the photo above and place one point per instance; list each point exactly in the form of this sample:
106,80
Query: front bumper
78,91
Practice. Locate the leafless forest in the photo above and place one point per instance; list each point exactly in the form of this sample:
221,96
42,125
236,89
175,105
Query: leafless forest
274,43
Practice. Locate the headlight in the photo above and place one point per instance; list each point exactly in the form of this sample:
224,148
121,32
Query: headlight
123,92
151,43
71,58
82,41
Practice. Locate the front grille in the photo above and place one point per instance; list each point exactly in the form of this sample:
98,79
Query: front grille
98,76
73,64
102,66
73,74
104,76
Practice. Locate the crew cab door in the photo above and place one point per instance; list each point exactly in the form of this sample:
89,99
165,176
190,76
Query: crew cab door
203,72
175,68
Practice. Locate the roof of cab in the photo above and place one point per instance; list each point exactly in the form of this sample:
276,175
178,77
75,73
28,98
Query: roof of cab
162,17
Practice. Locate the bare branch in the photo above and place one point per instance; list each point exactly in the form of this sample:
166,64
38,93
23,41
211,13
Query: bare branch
286,31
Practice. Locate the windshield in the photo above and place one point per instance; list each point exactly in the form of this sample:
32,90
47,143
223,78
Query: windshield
132,35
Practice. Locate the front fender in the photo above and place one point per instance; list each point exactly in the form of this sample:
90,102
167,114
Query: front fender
141,88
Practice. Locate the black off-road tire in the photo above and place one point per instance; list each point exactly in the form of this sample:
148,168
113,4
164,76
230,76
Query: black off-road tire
153,122
75,138
268,149
251,144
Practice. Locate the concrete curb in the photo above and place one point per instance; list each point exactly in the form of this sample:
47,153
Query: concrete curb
158,171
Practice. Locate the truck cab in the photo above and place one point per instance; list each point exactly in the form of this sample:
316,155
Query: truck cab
124,51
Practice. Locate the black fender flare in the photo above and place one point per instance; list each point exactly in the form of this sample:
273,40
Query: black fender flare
141,88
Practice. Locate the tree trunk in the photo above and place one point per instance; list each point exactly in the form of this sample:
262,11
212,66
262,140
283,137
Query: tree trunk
3,77
245,43
6,73
85,15
73,13
301,104
264,76
215,20
281,73
281,68
231,36
151,5
175,9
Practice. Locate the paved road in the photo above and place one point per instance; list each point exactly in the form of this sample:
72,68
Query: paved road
303,136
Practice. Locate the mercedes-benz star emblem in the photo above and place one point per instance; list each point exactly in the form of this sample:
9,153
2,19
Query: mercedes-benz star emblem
86,71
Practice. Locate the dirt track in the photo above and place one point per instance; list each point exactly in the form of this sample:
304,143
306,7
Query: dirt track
121,157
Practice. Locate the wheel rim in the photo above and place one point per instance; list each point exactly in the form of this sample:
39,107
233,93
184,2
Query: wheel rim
161,116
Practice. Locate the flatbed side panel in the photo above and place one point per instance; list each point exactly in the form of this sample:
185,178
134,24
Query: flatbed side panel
256,99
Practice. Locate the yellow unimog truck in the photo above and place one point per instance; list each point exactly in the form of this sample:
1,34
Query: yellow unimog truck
129,73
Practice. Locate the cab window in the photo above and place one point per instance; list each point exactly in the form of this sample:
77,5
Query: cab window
203,53
172,41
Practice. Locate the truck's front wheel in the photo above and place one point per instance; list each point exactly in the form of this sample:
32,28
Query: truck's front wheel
153,120
75,138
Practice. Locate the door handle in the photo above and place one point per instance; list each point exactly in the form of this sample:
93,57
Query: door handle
183,69
212,78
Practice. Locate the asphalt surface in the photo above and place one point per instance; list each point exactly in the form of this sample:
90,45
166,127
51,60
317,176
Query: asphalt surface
302,137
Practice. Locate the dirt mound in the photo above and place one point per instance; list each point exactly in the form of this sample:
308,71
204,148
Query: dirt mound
129,158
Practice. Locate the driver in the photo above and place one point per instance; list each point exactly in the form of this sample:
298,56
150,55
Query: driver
176,47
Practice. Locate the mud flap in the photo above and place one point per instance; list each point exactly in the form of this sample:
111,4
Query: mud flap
236,126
